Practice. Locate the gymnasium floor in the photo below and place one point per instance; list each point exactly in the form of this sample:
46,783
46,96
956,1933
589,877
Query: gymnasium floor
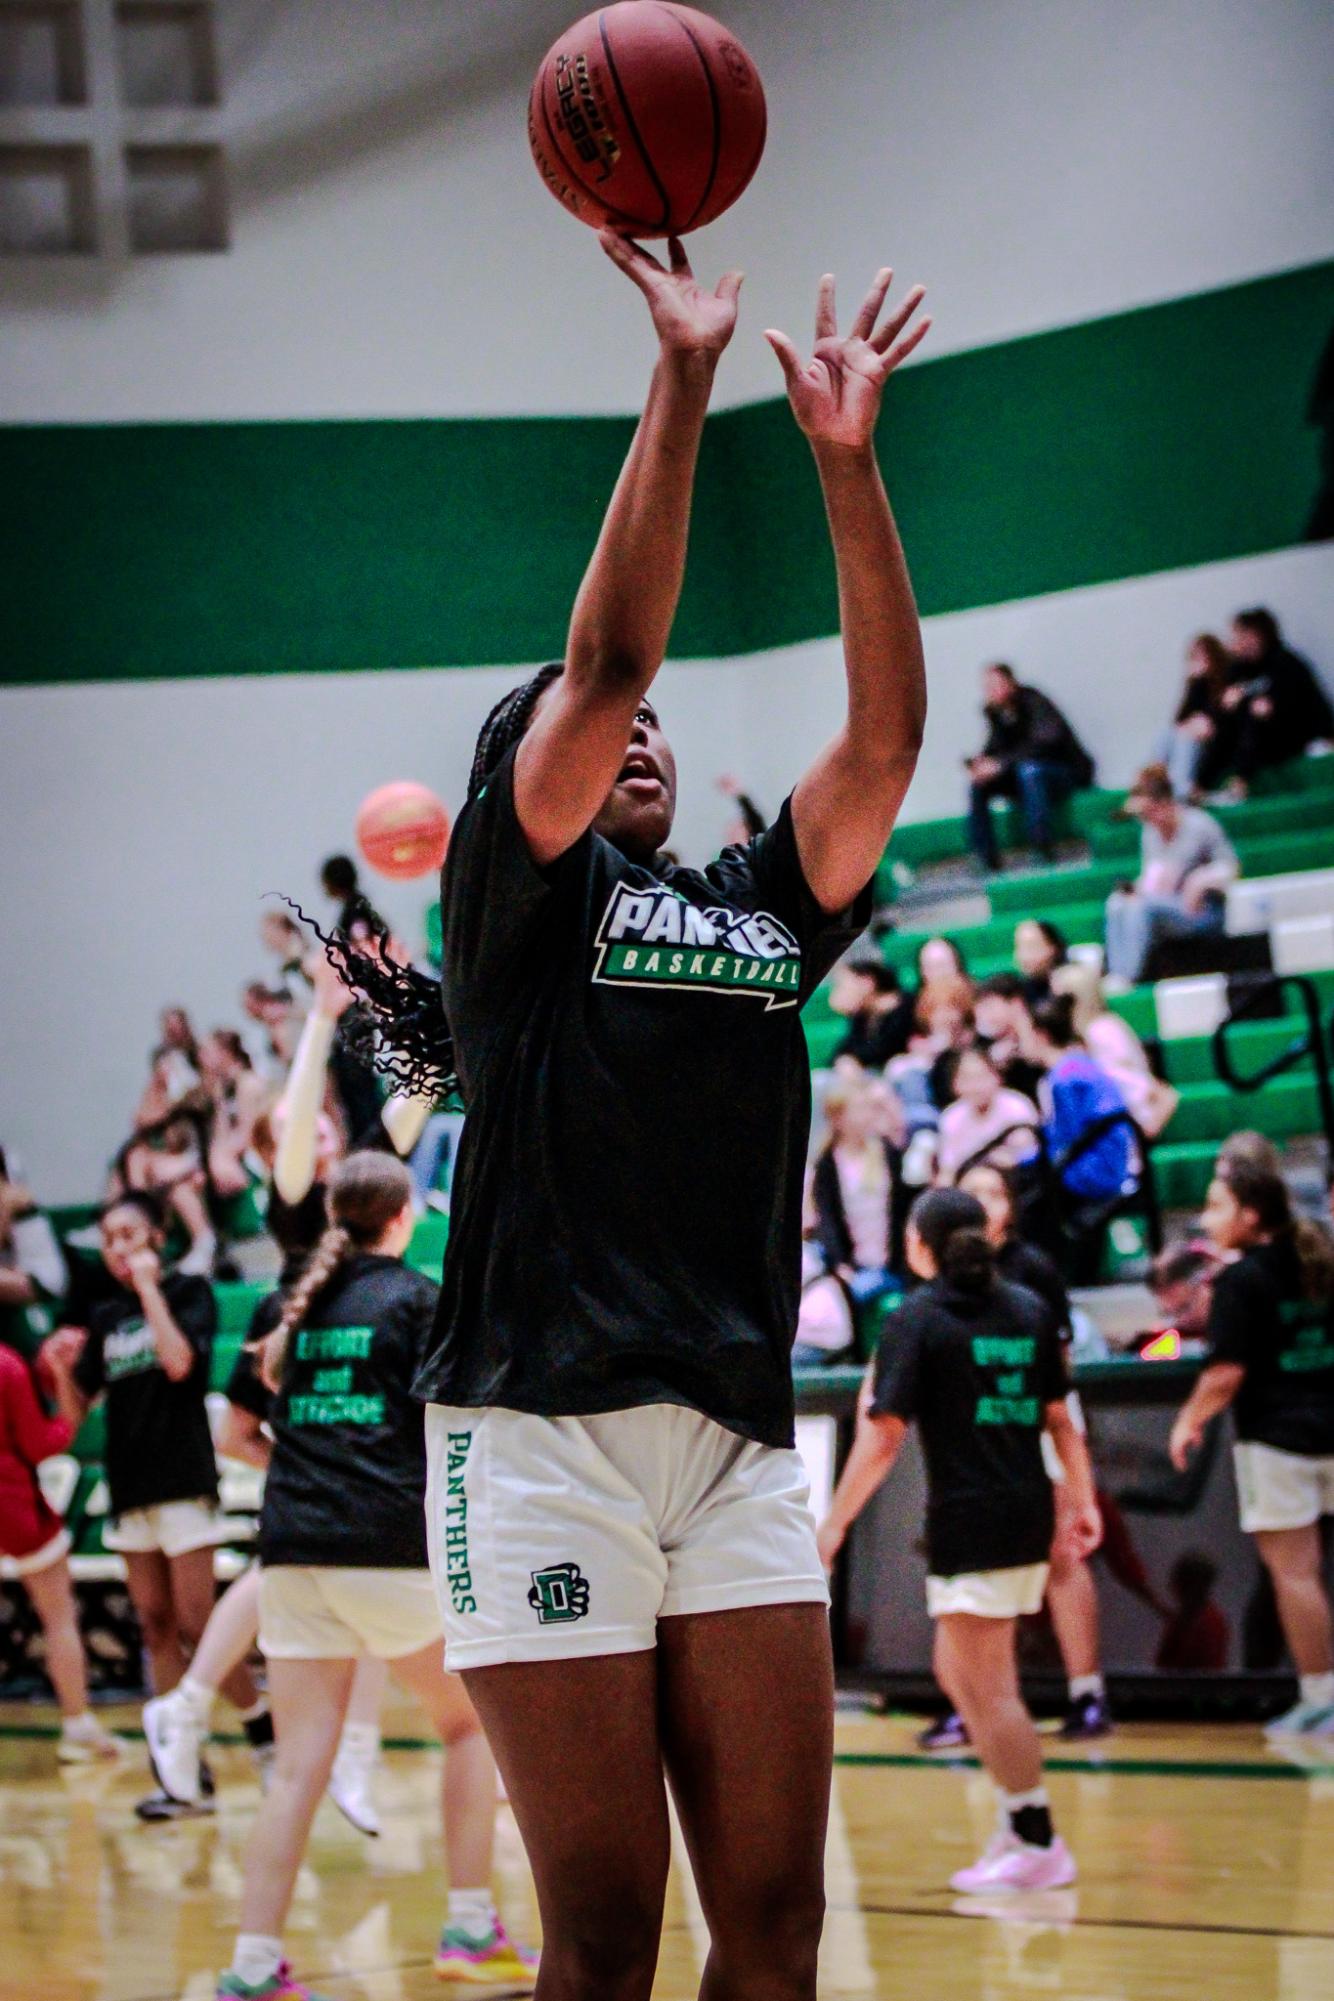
1208,1873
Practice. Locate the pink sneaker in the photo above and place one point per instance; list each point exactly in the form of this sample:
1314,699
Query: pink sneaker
1012,1865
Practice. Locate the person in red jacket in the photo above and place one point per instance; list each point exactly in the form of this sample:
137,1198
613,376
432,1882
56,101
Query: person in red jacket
35,1539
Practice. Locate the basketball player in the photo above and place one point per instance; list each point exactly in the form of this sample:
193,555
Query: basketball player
977,1365
623,1544
342,1543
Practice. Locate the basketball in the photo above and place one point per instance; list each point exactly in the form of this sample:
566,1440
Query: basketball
647,118
403,830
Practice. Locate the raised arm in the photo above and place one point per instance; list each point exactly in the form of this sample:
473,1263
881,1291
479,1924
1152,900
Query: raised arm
570,757
845,807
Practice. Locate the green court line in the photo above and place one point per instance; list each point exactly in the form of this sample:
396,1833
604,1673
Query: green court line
1168,436
922,1761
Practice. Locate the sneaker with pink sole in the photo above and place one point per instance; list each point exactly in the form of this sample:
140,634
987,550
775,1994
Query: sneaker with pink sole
1010,1864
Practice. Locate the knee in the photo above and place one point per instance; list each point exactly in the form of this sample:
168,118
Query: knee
157,1624
774,1926
605,1944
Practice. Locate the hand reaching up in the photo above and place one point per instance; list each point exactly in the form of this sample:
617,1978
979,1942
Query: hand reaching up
835,396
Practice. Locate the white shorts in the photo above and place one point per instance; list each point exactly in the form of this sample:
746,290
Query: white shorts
312,1613
41,1559
554,1537
989,1594
1281,1490
174,1527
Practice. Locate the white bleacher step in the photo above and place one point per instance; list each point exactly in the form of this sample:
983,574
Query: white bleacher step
1268,900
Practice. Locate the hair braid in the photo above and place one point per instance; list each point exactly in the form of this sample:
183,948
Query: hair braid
324,1261
398,1025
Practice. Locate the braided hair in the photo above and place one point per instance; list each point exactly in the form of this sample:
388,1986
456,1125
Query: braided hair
398,1025
366,1191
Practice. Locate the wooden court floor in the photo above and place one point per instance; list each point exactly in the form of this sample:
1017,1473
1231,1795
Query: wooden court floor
1207,1875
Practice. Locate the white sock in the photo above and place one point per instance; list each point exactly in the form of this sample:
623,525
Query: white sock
1016,1802
362,1740
471,1911
1318,1688
196,1699
1086,1684
80,1727
256,1958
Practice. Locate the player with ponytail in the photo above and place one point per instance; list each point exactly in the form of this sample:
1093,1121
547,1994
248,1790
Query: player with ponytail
342,1543
976,1363
1271,1335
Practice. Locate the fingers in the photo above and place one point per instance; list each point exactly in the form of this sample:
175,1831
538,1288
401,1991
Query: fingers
788,358
729,286
826,326
898,319
864,324
632,258
676,250
903,348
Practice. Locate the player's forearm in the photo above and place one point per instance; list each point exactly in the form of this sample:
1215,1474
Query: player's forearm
1212,1394
623,614
882,635
1073,1454
294,1161
875,1447
173,1350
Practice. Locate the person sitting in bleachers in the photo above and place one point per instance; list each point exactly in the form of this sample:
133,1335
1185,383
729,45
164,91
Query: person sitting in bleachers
173,1068
984,1119
867,994
923,1075
856,1205
32,1266
1075,1096
1003,1022
1190,747
1031,754
1039,948
1275,707
1186,865
1114,1044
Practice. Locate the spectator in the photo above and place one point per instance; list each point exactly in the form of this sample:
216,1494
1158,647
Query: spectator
985,1119
1077,1097
879,1015
1190,747
1186,864
237,1096
33,1536
855,1211
173,1071
1030,754
747,821
1039,948
1276,706
32,1266
1114,1045
1004,1022
940,959
280,934
274,1012
1182,1283
942,1024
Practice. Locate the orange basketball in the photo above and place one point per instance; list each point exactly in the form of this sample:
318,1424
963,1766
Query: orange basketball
647,118
403,830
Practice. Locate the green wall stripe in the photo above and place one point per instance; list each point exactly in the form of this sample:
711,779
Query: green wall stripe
1151,440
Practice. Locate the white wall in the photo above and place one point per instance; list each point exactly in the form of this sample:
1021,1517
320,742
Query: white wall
1035,161
143,824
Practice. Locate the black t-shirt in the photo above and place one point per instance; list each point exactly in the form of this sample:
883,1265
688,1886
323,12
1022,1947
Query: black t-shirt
1021,1263
1261,1320
976,1374
875,1036
159,1447
625,1222
347,1482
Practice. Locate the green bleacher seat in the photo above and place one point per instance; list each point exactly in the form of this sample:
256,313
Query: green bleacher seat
1256,819
426,1252
236,1304
1051,890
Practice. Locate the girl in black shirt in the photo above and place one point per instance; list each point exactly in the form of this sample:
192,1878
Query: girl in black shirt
1271,1334
342,1542
621,1522
976,1363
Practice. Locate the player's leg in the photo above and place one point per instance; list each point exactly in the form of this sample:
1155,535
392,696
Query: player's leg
194,1593
352,1781
577,1743
747,1709
148,1576
1295,1562
176,1725
1072,1601
51,1590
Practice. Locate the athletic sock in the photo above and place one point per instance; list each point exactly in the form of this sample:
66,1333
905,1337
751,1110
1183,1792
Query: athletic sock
1029,1815
80,1729
1319,1689
258,1726
1084,1685
196,1698
256,1958
362,1739
471,1911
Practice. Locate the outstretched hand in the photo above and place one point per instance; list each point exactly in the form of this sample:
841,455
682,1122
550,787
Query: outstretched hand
835,396
688,318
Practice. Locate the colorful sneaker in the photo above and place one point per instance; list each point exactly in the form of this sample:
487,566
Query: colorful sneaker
1304,1719
1013,1865
280,1986
174,1741
1086,1718
491,1961
950,1734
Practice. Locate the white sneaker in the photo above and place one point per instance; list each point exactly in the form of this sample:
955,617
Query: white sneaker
1304,1719
175,1741
82,1745
352,1780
